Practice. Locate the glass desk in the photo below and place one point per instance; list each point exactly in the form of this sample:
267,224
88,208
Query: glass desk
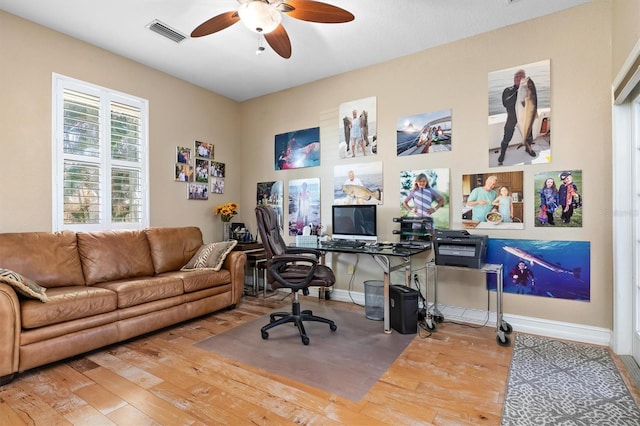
383,255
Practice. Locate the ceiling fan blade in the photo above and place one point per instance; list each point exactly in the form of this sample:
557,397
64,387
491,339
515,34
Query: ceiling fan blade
315,11
215,24
279,41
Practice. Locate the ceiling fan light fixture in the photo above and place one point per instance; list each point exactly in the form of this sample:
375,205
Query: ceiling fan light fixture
259,16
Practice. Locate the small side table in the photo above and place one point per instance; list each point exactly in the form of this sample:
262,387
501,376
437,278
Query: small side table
256,260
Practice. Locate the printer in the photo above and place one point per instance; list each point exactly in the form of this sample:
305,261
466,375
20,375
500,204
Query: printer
459,248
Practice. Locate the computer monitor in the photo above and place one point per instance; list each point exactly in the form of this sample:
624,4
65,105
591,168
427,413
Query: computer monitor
354,222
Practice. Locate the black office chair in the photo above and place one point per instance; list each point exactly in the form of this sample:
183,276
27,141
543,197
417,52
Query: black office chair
296,268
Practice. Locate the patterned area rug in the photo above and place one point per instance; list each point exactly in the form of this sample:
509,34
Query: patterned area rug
564,383
346,362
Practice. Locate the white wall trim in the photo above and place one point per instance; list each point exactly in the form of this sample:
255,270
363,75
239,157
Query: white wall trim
538,326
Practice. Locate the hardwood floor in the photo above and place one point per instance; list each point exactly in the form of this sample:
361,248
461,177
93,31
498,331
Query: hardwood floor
456,376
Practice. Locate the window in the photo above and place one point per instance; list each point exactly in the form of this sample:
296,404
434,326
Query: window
100,157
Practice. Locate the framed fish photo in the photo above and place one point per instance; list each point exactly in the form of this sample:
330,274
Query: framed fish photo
520,115
358,183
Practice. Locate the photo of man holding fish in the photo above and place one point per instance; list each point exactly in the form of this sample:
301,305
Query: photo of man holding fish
520,115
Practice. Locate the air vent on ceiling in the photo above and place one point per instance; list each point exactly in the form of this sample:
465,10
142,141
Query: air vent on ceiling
166,31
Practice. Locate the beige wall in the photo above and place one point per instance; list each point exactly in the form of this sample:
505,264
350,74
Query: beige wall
180,113
626,30
452,76
455,76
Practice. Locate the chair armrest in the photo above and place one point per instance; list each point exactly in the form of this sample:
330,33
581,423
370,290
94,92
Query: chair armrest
278,265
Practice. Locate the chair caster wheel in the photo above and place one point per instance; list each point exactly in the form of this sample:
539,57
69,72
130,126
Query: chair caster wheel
305,340
265,335
307,312
333,327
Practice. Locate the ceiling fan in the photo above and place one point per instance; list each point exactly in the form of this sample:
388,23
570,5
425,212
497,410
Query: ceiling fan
265,16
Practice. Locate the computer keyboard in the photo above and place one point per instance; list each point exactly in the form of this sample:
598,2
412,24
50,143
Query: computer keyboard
342,243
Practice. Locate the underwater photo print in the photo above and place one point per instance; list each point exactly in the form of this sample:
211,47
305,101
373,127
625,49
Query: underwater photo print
554,269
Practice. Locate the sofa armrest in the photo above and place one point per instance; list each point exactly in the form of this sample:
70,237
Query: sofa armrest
234,263
9,330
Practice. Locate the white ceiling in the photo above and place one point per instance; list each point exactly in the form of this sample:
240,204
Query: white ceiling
226,63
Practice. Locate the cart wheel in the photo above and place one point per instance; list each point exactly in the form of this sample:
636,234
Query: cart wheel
506,327
265,335
503,340
305,340
431,325
333,327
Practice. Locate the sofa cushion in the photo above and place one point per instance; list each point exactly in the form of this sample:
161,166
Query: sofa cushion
136,291
199,279
65,304
23,285
49,258
210,256
114,255
171,248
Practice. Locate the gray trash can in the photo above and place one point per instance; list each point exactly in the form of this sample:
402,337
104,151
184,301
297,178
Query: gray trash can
374,300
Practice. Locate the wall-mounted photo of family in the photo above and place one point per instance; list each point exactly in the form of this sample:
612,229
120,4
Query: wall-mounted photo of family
357,136
492,201
520,115
559,198
424,133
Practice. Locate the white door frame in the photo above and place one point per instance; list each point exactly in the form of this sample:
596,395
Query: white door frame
625,224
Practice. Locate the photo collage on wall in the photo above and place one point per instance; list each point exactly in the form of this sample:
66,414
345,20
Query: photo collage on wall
197,168
519,124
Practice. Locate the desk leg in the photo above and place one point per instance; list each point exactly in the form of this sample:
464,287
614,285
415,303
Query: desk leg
383,261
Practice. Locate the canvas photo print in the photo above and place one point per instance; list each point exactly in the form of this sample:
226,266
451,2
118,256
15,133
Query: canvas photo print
358,183
297,149
493,201
520,115
304,204
424,133
558,196
357,136
552,269
424,193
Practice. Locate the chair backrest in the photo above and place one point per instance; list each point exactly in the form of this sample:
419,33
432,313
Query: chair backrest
270,231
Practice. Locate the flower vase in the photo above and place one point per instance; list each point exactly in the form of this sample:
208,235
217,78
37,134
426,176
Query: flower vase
226,231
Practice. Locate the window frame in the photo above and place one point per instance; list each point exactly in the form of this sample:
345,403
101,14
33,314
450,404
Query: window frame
106,163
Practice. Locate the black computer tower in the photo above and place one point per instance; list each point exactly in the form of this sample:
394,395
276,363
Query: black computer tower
403,309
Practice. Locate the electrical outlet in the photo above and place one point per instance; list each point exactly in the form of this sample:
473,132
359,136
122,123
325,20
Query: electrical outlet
350,269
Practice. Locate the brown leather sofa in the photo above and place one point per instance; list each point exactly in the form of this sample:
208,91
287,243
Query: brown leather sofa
104,287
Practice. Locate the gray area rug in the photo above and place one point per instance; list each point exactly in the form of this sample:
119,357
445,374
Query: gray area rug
565,383
346,362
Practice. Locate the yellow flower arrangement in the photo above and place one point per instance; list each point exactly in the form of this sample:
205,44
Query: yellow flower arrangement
226,211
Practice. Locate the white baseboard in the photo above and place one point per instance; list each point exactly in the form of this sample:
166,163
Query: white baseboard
541,327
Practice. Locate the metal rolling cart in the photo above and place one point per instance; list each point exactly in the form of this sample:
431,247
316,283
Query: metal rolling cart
503,328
